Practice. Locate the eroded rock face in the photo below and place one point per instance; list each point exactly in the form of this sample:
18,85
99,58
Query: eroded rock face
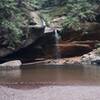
91,58
42,47
92,32
73,49
26,47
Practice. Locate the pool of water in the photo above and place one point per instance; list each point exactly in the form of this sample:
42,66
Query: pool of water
68,75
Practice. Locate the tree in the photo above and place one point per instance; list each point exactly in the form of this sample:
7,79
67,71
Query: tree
12,19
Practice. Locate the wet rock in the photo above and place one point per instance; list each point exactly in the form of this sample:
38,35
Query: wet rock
15,64
36,17
55,62
63,61
96,61
91,58
48,30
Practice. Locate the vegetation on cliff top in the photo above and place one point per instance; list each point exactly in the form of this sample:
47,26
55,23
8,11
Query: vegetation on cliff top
13,14
74,12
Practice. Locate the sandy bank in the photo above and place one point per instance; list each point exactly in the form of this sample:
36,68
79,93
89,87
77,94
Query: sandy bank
52,93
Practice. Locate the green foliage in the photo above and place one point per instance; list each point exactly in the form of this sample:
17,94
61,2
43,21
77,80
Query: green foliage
79,12
12,17
10,20
76,12
13,14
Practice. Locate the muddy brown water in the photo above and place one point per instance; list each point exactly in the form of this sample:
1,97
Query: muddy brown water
53,75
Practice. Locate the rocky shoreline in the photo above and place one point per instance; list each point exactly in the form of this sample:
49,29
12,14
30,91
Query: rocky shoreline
91,58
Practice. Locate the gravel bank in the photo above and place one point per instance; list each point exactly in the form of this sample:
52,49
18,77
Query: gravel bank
52,93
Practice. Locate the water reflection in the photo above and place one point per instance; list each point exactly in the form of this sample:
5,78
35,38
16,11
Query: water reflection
70,74
92,73
10,74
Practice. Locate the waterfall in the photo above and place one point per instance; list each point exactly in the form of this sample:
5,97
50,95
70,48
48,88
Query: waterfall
43,23
57,49
57,36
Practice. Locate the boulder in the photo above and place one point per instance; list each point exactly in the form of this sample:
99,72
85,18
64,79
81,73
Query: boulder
91,58
96,60
15,64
